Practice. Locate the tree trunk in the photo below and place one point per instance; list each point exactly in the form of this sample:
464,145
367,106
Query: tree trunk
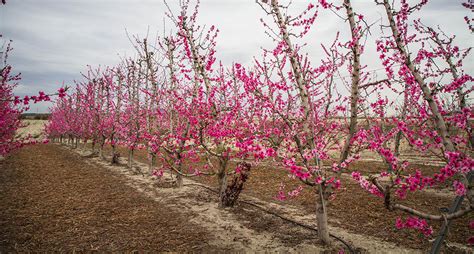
222,187
322,216
101,151
398,139
427,95
307,118
115,156
236,185
130,158
222,180
101,147
179,181
355,81
151,161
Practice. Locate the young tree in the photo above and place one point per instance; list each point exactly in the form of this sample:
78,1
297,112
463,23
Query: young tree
11,106
302,96
10,109
436,123
219,123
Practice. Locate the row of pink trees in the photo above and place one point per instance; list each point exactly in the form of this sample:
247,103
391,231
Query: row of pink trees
12,106
9,112
176,100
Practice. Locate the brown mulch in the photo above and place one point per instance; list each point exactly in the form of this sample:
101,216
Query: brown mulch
50,200
356,210
353,208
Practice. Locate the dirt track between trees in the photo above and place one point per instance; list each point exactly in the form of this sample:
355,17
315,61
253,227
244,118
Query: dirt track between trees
52,201
54,198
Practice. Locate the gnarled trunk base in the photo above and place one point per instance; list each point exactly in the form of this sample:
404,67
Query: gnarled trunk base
229,194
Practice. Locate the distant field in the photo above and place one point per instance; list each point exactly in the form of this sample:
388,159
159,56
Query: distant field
32,127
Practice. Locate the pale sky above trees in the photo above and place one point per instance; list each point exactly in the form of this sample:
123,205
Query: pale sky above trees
54,40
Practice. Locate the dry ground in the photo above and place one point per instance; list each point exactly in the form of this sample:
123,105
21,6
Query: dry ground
35,128
51,198
354,209
51,201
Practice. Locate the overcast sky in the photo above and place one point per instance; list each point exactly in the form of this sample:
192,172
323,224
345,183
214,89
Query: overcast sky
54,40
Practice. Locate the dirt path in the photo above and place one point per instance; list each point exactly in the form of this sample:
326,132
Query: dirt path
54,198
245,227
242,229
50,200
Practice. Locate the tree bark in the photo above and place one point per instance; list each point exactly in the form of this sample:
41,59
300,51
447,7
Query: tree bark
179,181
355,81
321,216
114,159
151,161
130,158
101,148
439,120
441,126
222,181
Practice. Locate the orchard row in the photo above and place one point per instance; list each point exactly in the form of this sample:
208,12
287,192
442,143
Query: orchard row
182,105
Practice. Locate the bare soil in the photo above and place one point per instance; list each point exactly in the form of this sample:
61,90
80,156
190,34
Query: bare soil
356,210
51,201
32,128
54,198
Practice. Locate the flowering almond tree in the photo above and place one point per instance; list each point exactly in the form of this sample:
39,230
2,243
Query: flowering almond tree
152,77
134,117
175,141
219,121
10,110
302,96
115,102
437,123
61,122
12,106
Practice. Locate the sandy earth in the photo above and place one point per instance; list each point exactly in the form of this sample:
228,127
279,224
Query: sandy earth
227,225
32,127
233,222
224,225
51,201
353,210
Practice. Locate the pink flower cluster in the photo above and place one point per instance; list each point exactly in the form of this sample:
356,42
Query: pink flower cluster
415,223
371,188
